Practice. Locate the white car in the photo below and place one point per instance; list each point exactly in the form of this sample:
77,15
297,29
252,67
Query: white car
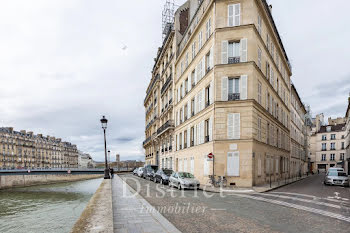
140,171
339,169
183,180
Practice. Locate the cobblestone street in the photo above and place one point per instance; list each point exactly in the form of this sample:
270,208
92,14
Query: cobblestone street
275,211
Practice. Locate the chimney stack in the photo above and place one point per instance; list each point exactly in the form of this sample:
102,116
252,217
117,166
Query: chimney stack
270,8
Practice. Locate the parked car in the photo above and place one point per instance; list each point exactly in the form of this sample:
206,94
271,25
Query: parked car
140,171
334,177
162,175
183,180
134,172
150,170
336,169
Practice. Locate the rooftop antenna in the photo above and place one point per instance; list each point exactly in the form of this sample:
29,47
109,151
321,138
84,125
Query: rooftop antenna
168,18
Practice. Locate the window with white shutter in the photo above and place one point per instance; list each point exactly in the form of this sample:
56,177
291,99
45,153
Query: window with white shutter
259,166
203,98
259,24
259,128
185,164
211,94
211,58
203,67
233,126
259,92
224,88
259,58
243,50
200,37
189,83
244,87
233,164
224,50
206,166
234,15
202,132
211,128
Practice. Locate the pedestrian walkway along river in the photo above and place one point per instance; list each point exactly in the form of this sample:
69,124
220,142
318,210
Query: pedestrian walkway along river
46,208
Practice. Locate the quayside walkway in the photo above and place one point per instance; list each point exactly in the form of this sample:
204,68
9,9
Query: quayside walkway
131,212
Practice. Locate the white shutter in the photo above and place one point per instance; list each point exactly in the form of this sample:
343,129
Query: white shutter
243,86
178,117
199,99
195,75
203,66
259,166
224,50
224,88
182,139
230,14
185,165
202,132
180,165
192,165
235,163
183,113
211,128
177,142
198,135
189,109
195,135
243,50
277,167
188,136
237,14
195,110
206,166
236,126
183,88
199,71
230,126
189,84
211,94
211,57
203,98
229,169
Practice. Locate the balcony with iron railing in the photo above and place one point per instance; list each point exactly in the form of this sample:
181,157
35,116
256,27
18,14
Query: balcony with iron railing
233,60
234,96
167,125
166,84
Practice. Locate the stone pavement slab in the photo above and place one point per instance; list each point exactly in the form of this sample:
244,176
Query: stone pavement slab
132,213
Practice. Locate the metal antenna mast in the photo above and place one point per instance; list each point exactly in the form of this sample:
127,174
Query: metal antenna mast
168,17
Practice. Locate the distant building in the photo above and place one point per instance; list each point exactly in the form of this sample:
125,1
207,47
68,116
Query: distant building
127,165
24,150
336,121
117,157
85,160
327,145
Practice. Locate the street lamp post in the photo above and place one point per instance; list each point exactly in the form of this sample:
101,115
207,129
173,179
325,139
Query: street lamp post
109,159
104,127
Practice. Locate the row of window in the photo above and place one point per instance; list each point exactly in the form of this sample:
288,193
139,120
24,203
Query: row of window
333,137
332,157
332,146
195,135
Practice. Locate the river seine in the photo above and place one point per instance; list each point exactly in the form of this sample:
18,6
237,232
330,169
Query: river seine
45,208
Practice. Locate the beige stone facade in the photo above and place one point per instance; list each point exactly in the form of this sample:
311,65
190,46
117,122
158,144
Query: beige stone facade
23,149
328,147
347,137
231,90
299,136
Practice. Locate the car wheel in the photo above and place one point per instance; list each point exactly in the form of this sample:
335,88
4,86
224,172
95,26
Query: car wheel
155,180
169,184
179,186
161,181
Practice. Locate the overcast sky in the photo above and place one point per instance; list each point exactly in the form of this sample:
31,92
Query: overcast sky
62,65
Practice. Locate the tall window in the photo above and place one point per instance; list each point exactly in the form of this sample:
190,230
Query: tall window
207,62
185,139
192,78
206,124
332,136
332,146
192,136
192,107
185,112
207,96
233,89
200,37
259,92
259,128
259,24
193,50
324,146
233,52
341,156
342,145
208,28
186,86
259,58
332,157
324,137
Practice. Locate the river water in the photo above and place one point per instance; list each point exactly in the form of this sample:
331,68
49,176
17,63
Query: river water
45,208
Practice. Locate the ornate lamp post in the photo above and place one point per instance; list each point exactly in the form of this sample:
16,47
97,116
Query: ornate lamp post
104,127
109,159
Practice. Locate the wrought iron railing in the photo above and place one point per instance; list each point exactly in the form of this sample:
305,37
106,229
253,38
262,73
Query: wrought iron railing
233,96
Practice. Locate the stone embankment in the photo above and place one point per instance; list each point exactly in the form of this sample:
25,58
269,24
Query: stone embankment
98,215
11,181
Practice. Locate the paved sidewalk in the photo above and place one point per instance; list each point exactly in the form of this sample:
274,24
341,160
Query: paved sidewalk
259,189
277,184
131,212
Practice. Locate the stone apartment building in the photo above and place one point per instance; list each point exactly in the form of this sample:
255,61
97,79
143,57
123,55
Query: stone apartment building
221,84
299,136
347,137
328,145
21,149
